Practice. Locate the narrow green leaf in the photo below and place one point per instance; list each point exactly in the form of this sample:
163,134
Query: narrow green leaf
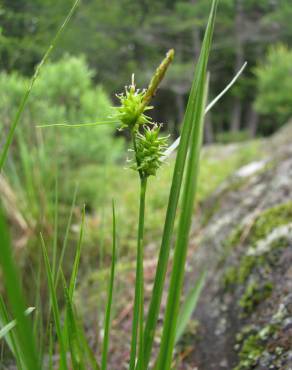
189,306
51,348
180,252
110,295
65,241
77,355
26,95
175,144
78,344
14,292
55,241
78,125
178,173
77,257
55,308
8,327
90,354
10,337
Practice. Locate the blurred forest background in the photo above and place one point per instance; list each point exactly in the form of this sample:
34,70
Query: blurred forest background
113,39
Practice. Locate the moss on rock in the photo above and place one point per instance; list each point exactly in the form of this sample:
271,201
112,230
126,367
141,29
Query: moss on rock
254,294
270,219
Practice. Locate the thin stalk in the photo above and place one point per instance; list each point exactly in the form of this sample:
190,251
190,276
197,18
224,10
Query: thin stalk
55,241
110,297
55,307
138,314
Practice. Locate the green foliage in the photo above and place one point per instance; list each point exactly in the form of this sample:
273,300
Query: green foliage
64,92
188,307
25,343
131,36
274,79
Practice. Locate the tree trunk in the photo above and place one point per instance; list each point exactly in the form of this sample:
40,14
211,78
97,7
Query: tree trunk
236,115
253,120
208,130
180,104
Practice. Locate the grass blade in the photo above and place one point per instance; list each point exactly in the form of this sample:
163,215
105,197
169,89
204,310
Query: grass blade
74,274
26,95
78,125
26,342
8,327
77,356
56,216
174,196
189,306
180,253
78,344
175,144
65,241
73,330
188,196
110,296
10,337
55,308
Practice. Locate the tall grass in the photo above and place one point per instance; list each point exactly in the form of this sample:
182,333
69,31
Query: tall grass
72,349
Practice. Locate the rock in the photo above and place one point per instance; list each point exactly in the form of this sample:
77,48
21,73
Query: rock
245,311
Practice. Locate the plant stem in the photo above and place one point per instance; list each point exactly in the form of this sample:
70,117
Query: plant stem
138,312
110,297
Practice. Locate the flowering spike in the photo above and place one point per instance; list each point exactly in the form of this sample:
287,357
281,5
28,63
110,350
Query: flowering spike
130,112
149,149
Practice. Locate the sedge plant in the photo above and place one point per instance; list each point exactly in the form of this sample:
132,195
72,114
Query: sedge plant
149,150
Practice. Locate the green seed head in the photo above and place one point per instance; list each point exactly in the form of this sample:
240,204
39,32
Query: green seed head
149,149
131,111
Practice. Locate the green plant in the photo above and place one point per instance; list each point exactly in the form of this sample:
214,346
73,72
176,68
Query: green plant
148,152
28,90
274,79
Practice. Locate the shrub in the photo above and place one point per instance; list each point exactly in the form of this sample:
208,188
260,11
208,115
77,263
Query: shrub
63,93
274,81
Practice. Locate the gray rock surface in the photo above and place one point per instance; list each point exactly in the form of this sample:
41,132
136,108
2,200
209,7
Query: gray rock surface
245,311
